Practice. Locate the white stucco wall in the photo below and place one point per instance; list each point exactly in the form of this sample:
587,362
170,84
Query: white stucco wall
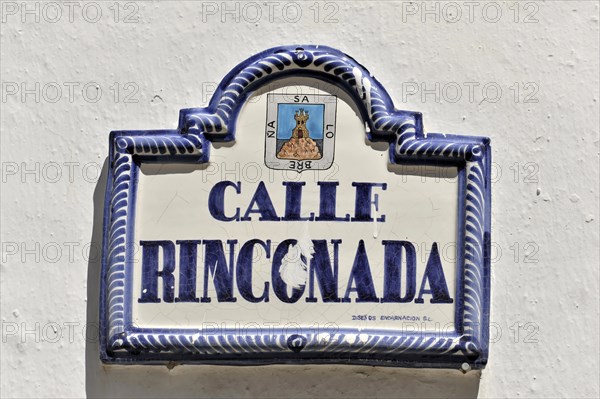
544,128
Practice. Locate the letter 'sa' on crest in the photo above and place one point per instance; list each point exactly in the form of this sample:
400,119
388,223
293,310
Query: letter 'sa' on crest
297,217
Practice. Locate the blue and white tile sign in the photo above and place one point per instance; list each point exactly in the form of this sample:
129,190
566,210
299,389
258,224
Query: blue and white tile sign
298,218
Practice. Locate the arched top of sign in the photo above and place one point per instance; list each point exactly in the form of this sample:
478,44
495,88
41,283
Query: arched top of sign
402,129
217,121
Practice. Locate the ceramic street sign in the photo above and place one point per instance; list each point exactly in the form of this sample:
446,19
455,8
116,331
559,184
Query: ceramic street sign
301,218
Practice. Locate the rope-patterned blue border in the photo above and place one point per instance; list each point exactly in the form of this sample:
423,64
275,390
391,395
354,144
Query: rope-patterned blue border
121,342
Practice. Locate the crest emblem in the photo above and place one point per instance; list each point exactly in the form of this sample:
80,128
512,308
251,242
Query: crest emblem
300,131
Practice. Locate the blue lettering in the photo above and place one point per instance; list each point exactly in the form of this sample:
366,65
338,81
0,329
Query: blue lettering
293,201
150,272
215,265
263,203
188,266
327,202
279,286
327,277
434,273
364,199
392,264
361,275
244,271
216,201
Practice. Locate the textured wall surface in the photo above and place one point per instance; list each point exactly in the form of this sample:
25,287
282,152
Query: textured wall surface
524,74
